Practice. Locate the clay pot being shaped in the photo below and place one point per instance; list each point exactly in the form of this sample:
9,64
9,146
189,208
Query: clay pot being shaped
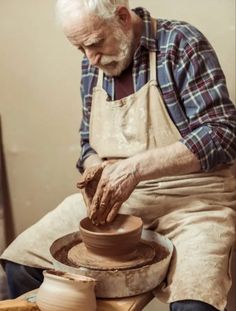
118,238
62,291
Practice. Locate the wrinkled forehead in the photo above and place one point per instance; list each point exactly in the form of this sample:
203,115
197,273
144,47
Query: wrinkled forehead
87,26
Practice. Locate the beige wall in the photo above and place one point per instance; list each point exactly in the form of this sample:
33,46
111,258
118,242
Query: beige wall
40,100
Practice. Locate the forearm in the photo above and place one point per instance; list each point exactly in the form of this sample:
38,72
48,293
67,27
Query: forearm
88,157
92,160
175,159
119,179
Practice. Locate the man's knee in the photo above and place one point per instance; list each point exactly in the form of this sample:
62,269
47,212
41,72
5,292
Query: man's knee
191,305
22,278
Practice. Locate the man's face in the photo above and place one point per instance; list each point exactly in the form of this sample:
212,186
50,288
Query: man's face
105,45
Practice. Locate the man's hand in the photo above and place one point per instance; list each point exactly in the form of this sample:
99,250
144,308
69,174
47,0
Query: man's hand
117,182
119,179
88,183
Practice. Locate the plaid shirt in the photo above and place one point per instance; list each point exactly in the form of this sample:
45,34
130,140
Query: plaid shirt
192,85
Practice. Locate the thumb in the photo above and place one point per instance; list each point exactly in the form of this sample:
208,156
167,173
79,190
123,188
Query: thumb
81,183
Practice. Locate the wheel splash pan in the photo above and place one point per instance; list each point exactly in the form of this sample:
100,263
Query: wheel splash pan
118,283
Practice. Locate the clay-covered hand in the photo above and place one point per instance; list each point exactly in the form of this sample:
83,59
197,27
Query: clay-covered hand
88,183
117,182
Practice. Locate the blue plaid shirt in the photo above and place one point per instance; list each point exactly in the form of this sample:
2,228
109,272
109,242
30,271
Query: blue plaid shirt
191,82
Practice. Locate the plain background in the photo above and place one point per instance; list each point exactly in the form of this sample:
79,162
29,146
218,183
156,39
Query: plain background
40,97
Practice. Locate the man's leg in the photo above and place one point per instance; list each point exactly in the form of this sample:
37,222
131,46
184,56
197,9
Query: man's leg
191,305
22,279
32,247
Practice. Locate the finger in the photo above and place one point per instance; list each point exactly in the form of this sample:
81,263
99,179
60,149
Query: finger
112,202
104,206
94,207
98,171
96,216
89,174
105,199
103,217
80,185
85,179
114,211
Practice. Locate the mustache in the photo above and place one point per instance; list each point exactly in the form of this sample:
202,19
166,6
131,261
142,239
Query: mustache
106,60
124,47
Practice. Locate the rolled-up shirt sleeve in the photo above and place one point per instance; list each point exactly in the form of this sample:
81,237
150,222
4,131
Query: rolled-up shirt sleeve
203,93
87,81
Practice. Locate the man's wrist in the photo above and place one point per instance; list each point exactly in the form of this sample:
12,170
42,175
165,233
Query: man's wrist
92,160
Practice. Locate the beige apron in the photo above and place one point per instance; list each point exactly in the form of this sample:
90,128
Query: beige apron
195,210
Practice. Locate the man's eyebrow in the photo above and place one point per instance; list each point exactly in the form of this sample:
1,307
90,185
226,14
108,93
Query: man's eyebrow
92,41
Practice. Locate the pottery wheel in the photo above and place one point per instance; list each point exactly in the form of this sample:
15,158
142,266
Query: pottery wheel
79,255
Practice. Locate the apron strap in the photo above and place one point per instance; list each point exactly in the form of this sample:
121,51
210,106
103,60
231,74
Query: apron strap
100,78
152,55
152,61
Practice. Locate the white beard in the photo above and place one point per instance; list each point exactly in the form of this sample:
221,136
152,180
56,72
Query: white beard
114,65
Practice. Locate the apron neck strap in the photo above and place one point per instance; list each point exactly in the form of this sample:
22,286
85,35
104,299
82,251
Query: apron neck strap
152,54
100,78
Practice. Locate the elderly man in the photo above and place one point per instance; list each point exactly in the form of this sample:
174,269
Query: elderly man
158,139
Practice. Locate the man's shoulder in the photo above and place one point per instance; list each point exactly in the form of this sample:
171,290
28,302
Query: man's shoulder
174,31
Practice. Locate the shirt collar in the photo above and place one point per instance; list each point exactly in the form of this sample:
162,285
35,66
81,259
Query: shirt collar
148,38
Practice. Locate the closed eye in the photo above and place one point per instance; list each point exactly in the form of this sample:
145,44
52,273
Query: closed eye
95,44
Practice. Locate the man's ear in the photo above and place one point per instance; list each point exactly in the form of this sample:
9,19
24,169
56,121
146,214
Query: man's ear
124,17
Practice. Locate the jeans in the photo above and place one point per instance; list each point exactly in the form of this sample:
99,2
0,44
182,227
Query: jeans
22,279
191,305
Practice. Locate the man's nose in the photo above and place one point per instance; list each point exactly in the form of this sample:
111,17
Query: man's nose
93,57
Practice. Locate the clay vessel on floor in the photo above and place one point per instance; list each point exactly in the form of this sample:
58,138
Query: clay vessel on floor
61,291
118,238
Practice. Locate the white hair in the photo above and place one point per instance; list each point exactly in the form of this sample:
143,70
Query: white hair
73,9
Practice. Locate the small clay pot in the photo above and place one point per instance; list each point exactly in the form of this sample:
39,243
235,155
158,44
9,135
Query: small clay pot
118,238
62,291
